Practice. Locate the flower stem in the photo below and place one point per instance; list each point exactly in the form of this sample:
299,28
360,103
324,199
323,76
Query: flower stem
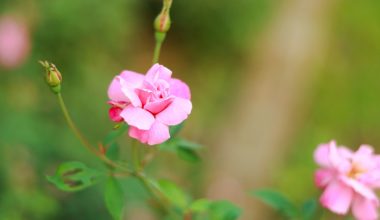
83,140
153,190
73,127
160,38
135,155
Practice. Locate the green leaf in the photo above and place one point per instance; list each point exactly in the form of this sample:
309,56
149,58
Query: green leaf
189,155
188,144
185,150
114,198
114,134
74,176
174,130
200,205
309,210
113,151
223,210
173,193
278,202
169,146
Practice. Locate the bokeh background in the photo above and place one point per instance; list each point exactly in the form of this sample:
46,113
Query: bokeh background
270,80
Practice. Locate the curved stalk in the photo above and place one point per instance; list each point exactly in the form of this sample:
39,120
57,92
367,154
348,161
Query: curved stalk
82,138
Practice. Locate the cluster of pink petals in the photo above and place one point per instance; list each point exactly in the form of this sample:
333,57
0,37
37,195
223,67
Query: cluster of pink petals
149,103
348,179
14,42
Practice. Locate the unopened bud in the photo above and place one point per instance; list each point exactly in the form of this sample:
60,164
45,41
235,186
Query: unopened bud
52,76
162,22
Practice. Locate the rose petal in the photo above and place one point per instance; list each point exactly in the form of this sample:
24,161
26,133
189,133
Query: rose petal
134,79
114,90
157,106
156,72
157,134
114,114
322,177
364,159
179,89
129,91
176,112
337,197
141,135
137,117
337,159
360,188
321,155
143,94
364,209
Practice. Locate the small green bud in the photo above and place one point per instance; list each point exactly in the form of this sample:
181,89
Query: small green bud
162,22
52,76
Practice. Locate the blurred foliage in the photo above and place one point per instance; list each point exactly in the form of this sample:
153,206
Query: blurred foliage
92,40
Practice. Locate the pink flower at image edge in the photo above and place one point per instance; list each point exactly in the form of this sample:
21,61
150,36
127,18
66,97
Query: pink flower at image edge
149,103
348,179
14,42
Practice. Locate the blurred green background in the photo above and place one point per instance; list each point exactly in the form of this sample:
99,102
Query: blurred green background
213,45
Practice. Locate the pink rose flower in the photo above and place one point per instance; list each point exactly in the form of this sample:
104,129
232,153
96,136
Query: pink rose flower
348,179
149,104
14,42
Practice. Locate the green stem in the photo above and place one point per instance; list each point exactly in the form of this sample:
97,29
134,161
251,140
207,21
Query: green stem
74,128
83,140
154,191
135,155
160,38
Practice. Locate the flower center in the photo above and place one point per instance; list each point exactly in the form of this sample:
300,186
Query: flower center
356,170
161,90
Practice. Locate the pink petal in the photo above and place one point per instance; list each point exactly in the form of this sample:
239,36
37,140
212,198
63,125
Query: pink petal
156,135
123,91
322,177
156,72
141,135
364,158
321,155
364,150
157,106
345,152
129,91
134,79
143,94
114,114
176,112
179,89
359,188
114,90
337,197
371,178
338,159
137,117
364,209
